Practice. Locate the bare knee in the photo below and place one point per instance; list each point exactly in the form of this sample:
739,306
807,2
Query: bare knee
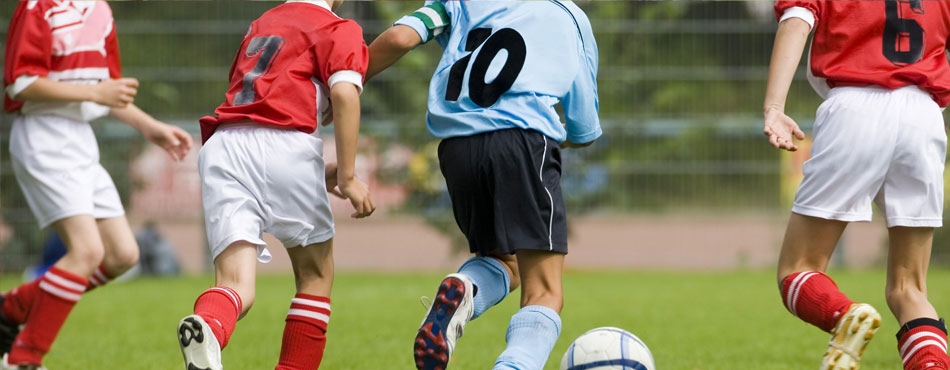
120,260
313,268
83,258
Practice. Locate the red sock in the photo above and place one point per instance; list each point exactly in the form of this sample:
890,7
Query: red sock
220,307
99,278
305,333
58,292
17,303
814,298
923,345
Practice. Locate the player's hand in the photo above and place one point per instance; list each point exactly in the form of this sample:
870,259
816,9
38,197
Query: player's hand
358,194
327,118
780,129
330,178
567,144
173,139
116,93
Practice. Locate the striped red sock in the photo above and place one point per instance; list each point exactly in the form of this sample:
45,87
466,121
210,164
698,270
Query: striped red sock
220,307
17,303
99,278
58,292
923,345
814,298
305,333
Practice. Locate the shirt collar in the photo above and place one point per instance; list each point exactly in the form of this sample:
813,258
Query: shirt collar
320,3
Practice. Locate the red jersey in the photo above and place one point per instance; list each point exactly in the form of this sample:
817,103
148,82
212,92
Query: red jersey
889,43
289,59
72,41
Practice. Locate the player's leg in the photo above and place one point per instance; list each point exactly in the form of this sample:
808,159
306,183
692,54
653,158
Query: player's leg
912,200
534,329
536,230
453,304
806,291
121,250
306,324
204,334
493,277
59,289
922,339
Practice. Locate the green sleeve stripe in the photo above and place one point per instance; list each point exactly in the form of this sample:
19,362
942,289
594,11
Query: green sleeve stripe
434,17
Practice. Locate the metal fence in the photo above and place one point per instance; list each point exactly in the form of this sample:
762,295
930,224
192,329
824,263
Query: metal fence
681,85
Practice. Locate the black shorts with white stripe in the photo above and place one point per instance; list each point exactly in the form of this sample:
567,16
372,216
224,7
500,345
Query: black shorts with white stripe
505,187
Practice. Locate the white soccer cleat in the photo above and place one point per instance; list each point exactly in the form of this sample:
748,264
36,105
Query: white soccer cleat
198,344
5,365
443,325
850,337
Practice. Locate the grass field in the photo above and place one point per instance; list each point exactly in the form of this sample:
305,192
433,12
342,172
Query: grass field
690,321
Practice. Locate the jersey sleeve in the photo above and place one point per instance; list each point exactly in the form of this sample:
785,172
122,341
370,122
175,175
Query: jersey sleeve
343,56
581,104
429,21
28,49
808,11
112,52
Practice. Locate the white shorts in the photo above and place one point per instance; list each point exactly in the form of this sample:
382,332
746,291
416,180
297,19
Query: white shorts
880,145
56,163
257,179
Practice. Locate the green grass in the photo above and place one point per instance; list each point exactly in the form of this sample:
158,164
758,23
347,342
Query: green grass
731,320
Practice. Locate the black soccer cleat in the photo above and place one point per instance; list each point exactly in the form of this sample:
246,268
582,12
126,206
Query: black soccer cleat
8,331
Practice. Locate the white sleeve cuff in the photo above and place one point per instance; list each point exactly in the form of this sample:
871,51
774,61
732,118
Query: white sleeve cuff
21,84
352,77
417,25
800,13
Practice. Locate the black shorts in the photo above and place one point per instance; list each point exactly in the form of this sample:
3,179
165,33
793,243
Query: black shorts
506,191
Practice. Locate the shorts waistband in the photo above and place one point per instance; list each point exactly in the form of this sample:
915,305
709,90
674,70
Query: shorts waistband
909,89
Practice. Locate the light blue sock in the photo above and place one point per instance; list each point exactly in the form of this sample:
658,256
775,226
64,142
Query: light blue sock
492,280
531,337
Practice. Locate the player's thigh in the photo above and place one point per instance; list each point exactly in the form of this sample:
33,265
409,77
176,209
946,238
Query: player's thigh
84,249
121,249
529,207
808,245
296,203
540,273
462,161
313,267
912,194
54,161
850,156
231,195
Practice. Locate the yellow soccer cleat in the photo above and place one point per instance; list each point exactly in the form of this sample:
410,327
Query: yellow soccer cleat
850,337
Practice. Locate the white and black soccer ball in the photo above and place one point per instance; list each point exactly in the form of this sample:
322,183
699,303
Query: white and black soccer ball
608,349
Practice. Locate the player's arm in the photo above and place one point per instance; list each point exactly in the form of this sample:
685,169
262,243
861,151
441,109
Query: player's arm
410,31
173,139
114,93
345,98
390,46
790,40
582,104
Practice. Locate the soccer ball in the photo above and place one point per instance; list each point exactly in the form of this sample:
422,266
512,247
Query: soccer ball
607,349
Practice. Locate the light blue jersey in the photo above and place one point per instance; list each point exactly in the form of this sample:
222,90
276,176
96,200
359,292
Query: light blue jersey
506,64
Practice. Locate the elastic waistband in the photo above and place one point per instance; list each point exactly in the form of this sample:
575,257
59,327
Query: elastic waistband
909,89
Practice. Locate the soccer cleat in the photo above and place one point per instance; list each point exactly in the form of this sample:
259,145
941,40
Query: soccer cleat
8,331
451,309
5,365
850,337
198,344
